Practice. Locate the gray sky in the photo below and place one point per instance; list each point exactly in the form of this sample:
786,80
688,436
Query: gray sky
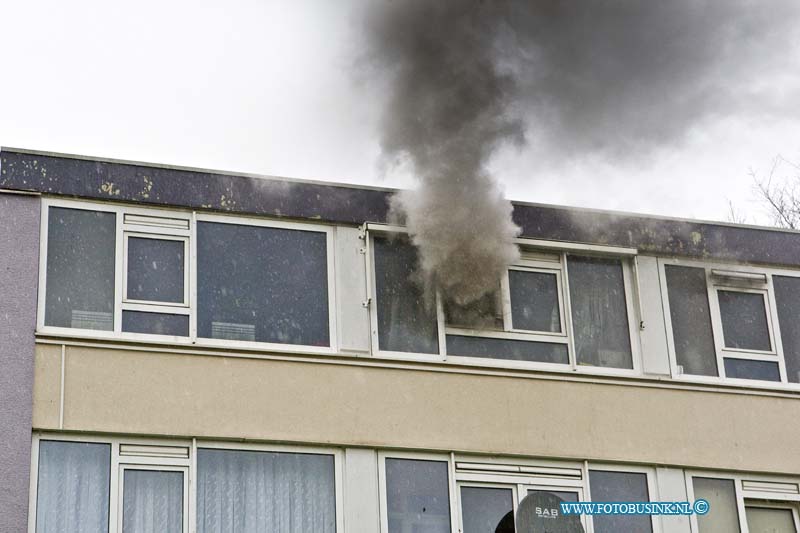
275,87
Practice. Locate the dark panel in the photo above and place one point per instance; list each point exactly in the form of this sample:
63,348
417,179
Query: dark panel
127,182
749,369
155,323
509,349
197,189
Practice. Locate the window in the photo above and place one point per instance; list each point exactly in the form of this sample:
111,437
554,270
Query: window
532,318
733,324
691,320
80,269
142,486
262,284
770,518
612,486
417,496
599,312
152,500
406,322
168,275
72,493
723,514
766,504
265,491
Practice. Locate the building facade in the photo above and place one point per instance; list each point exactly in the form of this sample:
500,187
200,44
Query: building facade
188,350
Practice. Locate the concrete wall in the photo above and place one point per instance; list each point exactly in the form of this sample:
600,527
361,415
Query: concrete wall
181,394
19,259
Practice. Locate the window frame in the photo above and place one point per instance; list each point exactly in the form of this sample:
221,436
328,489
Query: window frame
743,494
124,466
721,352
417,456
122,303
187,464
533,247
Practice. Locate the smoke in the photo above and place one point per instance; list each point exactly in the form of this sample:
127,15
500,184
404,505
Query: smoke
619,78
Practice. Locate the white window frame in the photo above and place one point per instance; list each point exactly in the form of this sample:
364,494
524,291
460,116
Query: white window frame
650,475
743,495
121,303
117,464
125,466
417,456
186,464
172,307
713,285
558,249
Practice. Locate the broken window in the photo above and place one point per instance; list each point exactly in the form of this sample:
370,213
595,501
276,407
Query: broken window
406,319
691,320
417,496
599,312
80,269
262,284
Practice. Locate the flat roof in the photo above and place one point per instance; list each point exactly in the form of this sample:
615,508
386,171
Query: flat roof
97,178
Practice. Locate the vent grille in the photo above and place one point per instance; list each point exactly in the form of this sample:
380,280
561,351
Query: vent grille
538,471
770,486
146,450
160,222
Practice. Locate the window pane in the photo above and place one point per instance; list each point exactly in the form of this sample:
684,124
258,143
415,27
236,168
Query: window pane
417,496
487,510
406,322
242,491
534,301
155,323
73,485
155,270
608,486
722,516
262,284
152,502
747,369
599,312
691,320
787,300
766,520
744,320
515,350
80,269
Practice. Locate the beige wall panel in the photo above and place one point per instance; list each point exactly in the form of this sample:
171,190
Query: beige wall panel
47,387
205,396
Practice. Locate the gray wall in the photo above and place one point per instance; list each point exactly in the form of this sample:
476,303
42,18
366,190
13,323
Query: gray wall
19,259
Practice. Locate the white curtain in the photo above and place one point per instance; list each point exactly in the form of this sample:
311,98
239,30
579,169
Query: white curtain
152,502
255,492
73,487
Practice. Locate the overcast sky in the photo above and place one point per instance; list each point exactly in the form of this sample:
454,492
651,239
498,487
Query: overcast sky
277,88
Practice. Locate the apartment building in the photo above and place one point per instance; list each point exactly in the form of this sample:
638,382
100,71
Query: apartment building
197,351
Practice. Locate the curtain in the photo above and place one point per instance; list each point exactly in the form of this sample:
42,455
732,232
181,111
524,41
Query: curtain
152,502
255,492
73,487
